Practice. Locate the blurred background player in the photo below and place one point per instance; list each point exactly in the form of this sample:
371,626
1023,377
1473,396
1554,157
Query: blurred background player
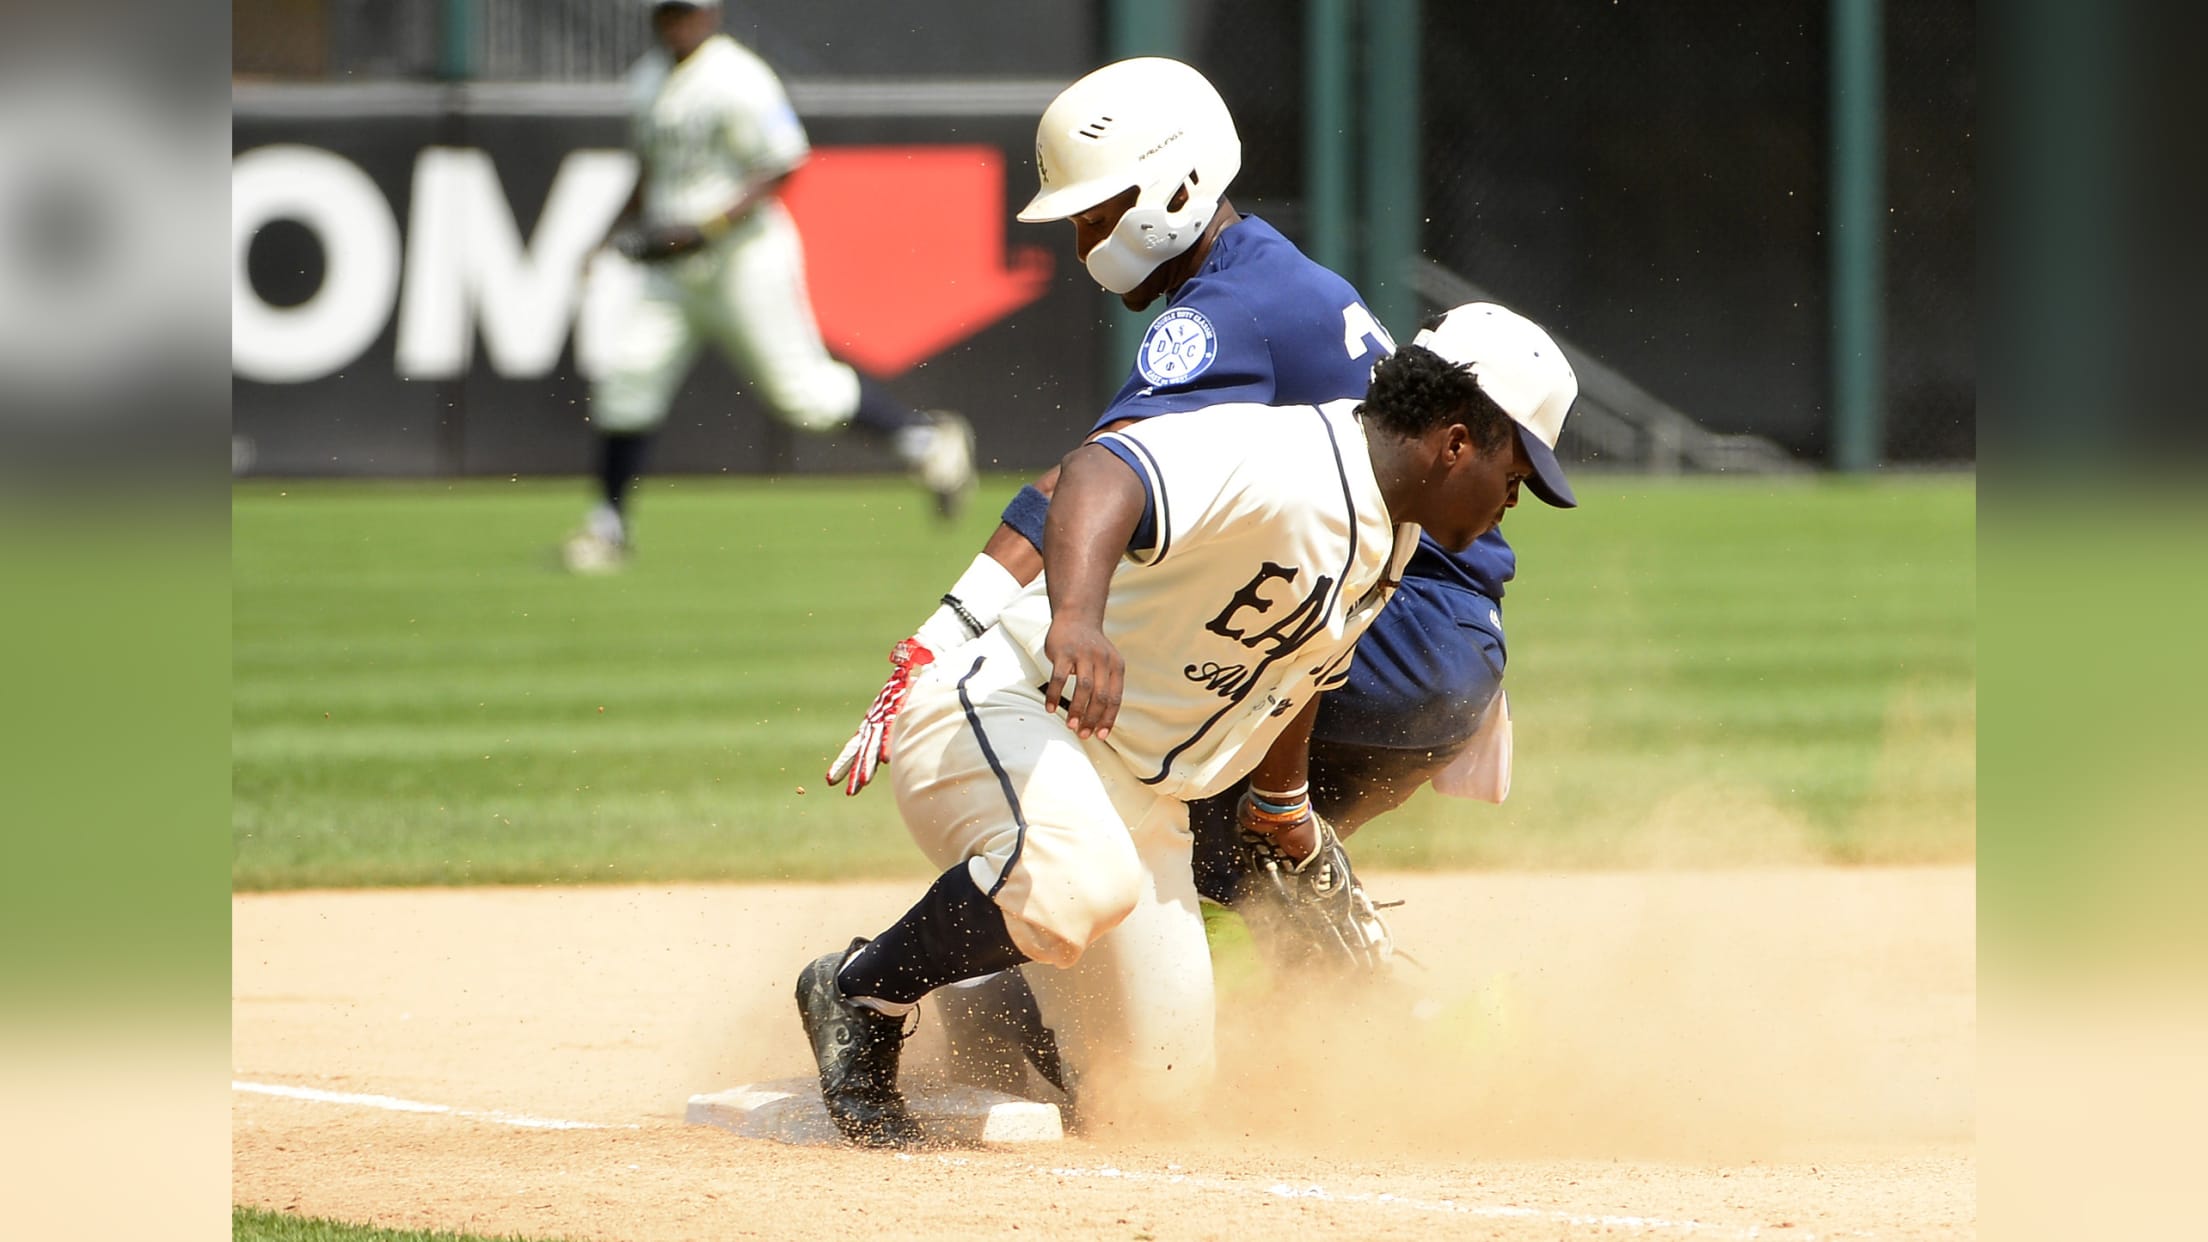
1254,538
716,139
1138,156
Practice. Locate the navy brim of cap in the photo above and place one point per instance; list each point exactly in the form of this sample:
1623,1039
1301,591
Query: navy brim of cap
1548,475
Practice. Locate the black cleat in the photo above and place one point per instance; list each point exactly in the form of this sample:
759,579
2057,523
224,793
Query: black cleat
857,1050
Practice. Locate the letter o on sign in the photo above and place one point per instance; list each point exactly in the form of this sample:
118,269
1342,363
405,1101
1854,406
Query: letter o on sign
336,201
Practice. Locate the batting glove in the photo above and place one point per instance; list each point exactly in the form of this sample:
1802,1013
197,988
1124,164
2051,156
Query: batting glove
868,748
971,605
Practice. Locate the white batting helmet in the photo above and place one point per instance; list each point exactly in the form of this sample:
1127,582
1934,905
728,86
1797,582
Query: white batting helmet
1152,124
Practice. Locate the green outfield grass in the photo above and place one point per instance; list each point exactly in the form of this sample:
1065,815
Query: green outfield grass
255,1225
1705,671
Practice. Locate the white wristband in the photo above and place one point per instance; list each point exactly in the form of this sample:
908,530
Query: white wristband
982,592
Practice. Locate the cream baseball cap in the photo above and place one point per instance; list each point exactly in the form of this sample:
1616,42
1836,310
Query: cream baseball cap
1522,370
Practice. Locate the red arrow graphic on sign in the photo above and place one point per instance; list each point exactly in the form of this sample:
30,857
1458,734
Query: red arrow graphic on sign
905,250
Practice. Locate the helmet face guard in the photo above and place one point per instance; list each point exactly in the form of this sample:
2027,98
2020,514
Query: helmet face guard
1148,235
1151,124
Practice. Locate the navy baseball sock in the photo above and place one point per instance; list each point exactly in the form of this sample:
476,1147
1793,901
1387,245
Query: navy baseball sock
954,932
619,464
881,413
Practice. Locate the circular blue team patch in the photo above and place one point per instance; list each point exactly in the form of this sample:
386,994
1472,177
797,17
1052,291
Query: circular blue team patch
1179,345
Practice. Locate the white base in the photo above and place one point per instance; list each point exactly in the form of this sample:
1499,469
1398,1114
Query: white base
789,1110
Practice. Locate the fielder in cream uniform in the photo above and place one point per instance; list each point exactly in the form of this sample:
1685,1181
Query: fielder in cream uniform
716,139
1235,555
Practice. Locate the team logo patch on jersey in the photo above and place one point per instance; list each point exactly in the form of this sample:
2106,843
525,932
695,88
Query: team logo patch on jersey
1179,345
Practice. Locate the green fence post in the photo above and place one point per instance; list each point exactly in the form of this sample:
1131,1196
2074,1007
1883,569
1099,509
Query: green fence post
1326,133
1391,135
1136,28
456,41
1858,235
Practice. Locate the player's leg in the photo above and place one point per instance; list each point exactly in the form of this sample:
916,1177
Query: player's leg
1036,865
766,325
1412,703
1351,785
994,1030
1137,1013
654,351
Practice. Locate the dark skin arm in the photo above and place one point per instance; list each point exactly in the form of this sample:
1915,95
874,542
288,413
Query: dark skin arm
1099,502
1010,548
1288,766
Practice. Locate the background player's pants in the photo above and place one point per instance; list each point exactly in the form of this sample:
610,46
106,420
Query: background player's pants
1090,867
746,294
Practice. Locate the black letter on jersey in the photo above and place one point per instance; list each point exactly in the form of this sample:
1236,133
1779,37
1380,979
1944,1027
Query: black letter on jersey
1296,629
1250,596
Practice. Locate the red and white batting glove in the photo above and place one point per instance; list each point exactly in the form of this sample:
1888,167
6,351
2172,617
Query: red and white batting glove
868,748
971,606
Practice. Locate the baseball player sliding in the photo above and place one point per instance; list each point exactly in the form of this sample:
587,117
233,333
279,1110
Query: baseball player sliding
1137,156
716,139
1236,554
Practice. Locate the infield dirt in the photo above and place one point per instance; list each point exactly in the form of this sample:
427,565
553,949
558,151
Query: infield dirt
1773,1052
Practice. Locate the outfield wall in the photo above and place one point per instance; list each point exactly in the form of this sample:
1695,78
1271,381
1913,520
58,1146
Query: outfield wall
412,295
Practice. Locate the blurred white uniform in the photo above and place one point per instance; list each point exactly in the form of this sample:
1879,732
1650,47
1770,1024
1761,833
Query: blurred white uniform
705,128
1271,551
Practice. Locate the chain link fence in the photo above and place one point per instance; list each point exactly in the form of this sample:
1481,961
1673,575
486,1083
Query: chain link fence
597,40
1651,181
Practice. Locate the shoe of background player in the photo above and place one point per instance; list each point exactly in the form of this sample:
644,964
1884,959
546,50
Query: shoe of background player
601,547
945,466
856,1049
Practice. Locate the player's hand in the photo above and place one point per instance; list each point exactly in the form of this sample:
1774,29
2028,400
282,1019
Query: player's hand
868,748
1078,650
661,242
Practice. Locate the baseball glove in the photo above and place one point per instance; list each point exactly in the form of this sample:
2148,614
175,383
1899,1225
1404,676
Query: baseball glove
1317,903
659,243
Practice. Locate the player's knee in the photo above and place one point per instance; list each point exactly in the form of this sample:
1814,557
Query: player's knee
813,398
1076,902
1109,883
625,408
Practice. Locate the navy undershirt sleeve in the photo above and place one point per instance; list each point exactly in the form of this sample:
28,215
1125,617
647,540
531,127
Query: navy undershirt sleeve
1146,530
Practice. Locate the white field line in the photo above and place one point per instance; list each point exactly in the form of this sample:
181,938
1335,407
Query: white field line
1492,1211
1172,1177
395,1105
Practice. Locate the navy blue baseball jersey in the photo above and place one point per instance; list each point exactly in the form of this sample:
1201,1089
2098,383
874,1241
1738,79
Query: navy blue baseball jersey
1262,322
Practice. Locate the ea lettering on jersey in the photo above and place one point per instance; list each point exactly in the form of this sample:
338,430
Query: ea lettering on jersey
1250,605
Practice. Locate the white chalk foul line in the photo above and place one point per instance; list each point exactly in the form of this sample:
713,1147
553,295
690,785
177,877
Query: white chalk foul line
1501,1211
1172,1177
393,1104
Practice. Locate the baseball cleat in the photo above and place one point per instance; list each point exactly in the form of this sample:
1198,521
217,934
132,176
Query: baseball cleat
856,1049
588,552
946,466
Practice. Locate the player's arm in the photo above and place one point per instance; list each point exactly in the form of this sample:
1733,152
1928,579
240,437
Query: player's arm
755,191
1007,563
668,241
1278,804
621,228
1015,549
1098,506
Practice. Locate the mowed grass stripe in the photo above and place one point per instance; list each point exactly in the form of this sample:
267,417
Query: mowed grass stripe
1718,670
